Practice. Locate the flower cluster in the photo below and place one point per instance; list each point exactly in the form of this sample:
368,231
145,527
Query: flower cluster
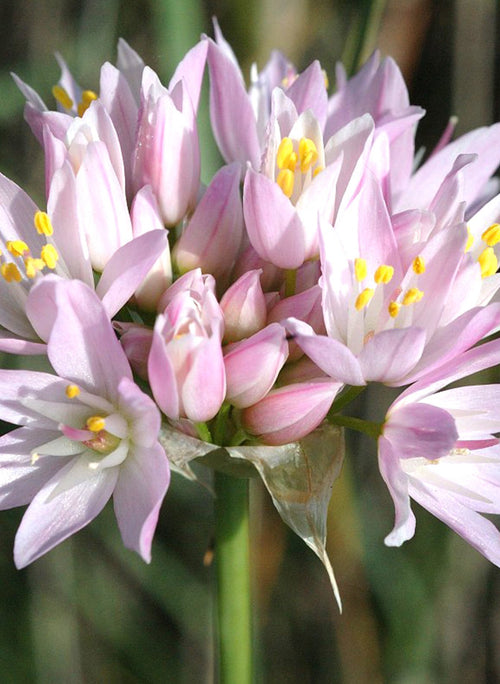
317,260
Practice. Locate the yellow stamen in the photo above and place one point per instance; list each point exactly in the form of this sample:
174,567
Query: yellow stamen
88,96
317,170
33,266
72,391
488,262
412,296
418,265
492,235
384,274
363,298
360,269
34,457
96,423
308,154
394,309
286,158
43,224
325,78
62,96
10,272
17,247
286,180
49,255
470,240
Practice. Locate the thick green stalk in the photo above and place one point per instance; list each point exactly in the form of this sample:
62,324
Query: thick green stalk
233,579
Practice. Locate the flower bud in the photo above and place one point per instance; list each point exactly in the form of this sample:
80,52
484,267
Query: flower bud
167,154
289,413
252,365
185,365
212,237
244,307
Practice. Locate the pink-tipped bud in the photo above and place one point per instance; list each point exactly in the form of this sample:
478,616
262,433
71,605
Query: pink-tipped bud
289,413
252,365
212,237
185,365
244,307
167,154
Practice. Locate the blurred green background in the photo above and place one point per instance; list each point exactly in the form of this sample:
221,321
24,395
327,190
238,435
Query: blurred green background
90,611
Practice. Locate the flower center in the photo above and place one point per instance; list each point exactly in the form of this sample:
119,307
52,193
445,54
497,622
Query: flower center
23,264
296,163
62,96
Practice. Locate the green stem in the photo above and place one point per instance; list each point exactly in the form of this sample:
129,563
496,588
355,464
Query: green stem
346,397
290,281
233,579
368,427
363,35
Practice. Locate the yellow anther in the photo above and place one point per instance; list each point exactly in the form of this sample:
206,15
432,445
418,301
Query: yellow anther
360,269
286,180
72,391
42,223
308,154
418,265
470,240
384,274
317,170
10,272
394,309
88,96
412,296
492,234
34,457
96,423
17,247
32,266
286,157
363,298
488,262
49,256
325,78
62,96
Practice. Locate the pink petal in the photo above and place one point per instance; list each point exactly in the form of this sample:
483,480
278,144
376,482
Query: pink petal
49,521
142,483
274,227
397,483
128,267
83,346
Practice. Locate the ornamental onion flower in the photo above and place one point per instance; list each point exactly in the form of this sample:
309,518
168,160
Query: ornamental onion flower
88,432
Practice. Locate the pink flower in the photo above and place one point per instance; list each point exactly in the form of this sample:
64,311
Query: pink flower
88,432
240,118
35,243
185,365
392,319
439,449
